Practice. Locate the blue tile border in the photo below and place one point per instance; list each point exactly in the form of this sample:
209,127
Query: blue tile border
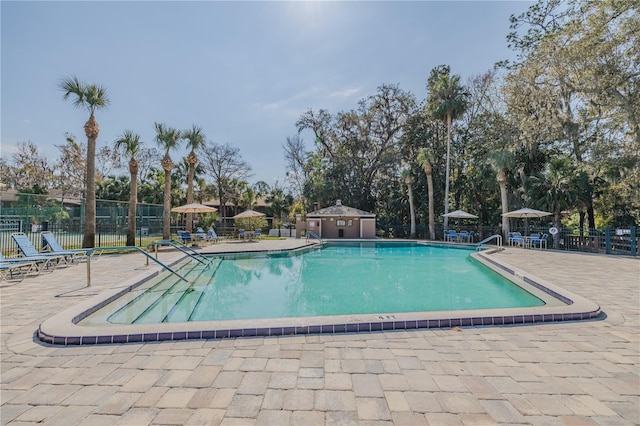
324,329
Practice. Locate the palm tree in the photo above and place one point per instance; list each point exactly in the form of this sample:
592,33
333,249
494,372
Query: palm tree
195,140
556,189
447,101
278,205
503,161
234,189
408,179
91,97
249,197
425,158
167,138
129,144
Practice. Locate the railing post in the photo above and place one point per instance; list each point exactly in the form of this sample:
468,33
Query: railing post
88,269
633,246
607,240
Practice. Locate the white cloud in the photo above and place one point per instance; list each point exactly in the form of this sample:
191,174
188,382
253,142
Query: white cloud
346,93
293,103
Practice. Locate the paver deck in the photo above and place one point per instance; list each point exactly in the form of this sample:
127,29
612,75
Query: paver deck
562,373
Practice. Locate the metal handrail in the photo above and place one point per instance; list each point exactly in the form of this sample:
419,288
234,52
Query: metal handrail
181,247
127,248
314,235
496,237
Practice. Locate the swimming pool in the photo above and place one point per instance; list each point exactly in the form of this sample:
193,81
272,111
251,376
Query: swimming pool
318,291
339,279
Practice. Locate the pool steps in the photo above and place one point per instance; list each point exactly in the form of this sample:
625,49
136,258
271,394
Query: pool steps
176,293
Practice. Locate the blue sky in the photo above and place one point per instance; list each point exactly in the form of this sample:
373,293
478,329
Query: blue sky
243,71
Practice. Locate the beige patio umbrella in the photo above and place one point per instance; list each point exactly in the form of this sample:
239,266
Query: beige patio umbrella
461,214
194,208
526,213
250,219
248,213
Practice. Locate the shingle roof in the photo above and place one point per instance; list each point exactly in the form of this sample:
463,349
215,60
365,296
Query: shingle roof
340,210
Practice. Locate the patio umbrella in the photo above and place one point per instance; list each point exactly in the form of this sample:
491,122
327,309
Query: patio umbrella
460,214
194,208
526,213
252,224
248,213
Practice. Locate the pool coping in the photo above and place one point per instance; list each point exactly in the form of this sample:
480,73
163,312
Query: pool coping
63,328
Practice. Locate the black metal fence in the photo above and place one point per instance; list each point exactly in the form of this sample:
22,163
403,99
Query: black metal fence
33,214
606,240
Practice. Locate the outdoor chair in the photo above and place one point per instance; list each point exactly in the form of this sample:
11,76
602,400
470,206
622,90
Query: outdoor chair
462,236
212,236
536,240
200,235
241,234
38,262
9,268
450,236
28,250
257,233
515,239
50,244
185,236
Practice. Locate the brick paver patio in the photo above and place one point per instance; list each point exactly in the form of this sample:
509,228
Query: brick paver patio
571,373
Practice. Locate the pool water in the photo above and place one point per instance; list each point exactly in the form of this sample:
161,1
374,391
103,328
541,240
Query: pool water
346,278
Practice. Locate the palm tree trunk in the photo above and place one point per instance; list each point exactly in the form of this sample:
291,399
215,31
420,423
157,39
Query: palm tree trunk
89,238
167,165
223,208
446,185
133,200
558,225
432,220
412,211
502,182
166,230
192,160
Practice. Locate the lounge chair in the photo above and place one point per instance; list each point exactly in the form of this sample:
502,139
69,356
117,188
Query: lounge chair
212,236
185,236
37,263
515,239
9,268
51,245
200,235
28,250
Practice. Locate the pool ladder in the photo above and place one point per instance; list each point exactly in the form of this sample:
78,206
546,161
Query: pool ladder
314,235
496,237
